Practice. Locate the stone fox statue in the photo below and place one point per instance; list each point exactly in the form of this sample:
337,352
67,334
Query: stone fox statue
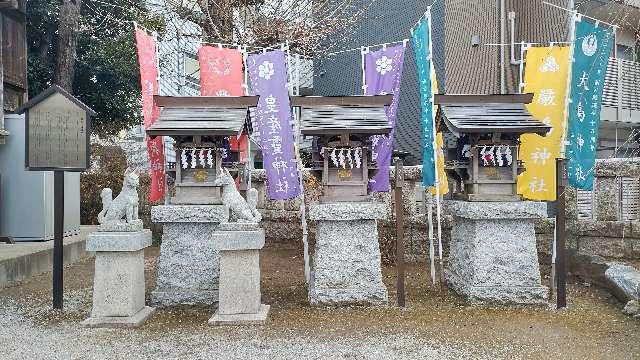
125,205
244,211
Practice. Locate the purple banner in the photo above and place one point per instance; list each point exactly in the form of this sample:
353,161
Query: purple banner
383,75
268,74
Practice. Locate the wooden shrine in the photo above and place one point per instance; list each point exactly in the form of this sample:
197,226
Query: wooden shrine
200,127
488,128
341,128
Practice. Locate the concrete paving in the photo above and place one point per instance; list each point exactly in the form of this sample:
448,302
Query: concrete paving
22,260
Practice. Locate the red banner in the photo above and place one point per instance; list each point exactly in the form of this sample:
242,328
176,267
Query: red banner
220,71
221,75
147,58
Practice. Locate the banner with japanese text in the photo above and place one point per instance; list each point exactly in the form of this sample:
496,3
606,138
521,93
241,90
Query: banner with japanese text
148,60
221,74
592,47
268,74
546,78
383,75
421,46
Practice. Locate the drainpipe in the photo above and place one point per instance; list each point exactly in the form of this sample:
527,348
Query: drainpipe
512,38
503,89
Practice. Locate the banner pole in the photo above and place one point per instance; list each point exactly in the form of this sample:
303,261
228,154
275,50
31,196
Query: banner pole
249,165
432,264
435,155
565,113
300,165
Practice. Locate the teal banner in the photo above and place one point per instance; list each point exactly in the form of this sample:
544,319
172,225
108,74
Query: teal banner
421,38
591,55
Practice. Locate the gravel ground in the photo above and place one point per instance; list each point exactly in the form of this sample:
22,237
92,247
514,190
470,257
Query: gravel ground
435,325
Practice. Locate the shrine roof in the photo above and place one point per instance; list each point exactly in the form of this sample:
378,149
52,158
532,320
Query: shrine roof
201,115
334,115
484,114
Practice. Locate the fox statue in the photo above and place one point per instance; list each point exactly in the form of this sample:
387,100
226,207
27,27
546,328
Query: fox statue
125,205
244,211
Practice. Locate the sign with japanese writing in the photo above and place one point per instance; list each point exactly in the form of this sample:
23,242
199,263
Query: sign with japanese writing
57,130
546,78
268,73
592,47
147,58
422,47
383,75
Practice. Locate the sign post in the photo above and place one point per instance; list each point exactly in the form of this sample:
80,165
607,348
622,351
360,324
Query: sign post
561,268
57,129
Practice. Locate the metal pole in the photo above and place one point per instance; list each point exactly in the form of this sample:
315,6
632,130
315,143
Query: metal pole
435,157
561,270
565,114
58,236
399,175
303,206
429,206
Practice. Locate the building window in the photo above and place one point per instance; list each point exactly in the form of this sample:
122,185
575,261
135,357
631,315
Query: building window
191,69
625,52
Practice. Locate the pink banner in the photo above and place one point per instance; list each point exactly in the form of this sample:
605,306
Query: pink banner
149,84
221,75
220,71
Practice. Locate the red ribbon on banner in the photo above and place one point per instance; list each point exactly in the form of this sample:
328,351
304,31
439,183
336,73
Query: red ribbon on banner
221,75
147,58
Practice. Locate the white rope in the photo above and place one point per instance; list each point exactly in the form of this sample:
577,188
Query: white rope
404,42
582,15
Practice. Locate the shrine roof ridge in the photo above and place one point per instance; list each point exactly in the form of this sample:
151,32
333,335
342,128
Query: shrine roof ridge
206,101
344,101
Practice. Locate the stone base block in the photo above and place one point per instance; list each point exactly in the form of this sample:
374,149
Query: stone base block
355,295
533,295
188,267
347,256
171,297
493,256
134,321
259,318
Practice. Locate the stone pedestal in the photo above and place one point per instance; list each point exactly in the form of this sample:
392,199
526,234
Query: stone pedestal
493,256
240,299
347,254
188,266
118,285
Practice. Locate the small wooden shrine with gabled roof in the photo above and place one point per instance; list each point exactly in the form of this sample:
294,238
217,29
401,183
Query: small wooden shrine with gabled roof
200,126
488,128
341,127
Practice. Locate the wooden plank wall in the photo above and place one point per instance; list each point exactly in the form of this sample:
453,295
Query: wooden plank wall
14,57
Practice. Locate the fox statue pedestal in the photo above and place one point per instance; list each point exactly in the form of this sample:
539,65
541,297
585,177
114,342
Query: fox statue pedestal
118,286
240,299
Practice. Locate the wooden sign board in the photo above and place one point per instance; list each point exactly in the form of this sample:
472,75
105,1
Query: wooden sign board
57,129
